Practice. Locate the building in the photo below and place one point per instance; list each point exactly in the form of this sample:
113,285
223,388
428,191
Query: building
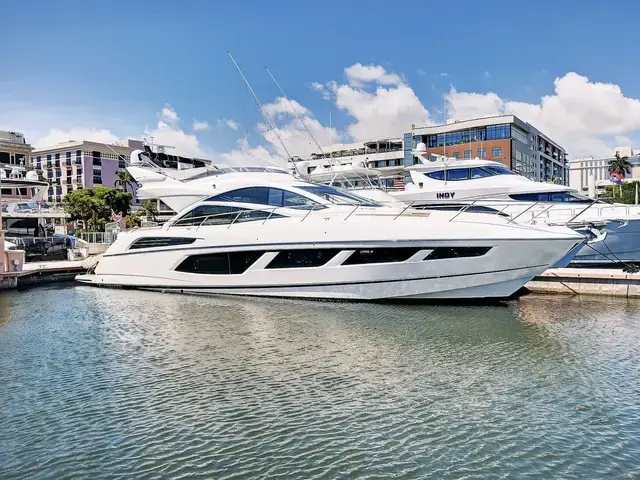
505,138
74,165
15,160
581,169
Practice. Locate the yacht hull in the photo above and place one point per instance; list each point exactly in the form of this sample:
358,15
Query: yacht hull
499,273
621,243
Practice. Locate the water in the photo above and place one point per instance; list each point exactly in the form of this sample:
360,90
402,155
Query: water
122,384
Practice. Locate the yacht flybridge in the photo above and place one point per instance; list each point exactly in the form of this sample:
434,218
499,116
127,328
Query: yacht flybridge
259,231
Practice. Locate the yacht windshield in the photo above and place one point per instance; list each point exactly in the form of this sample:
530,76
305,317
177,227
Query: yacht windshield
339,197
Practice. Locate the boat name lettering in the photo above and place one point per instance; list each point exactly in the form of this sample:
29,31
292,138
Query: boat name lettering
445,195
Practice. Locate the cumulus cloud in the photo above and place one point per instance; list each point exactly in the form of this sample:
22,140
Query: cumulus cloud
379,102
292,131
168,132
56,136
359,75
200,126
227,122
169,115
581,115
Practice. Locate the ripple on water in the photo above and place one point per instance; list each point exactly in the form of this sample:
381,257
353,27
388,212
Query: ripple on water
106,383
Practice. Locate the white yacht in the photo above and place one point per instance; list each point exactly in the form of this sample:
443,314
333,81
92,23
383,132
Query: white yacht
259,231
485,185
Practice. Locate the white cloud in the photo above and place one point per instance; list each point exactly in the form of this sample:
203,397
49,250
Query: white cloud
581,115
200,126
282,108
359,75
421,72
319,87
292,131
56,136
486,74
623,141
444,74
169,115
227,122
185,144
381,107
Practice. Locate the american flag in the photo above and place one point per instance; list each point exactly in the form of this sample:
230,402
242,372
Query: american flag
399,183
115,217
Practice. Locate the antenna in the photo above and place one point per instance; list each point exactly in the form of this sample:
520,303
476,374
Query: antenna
294,110
264,114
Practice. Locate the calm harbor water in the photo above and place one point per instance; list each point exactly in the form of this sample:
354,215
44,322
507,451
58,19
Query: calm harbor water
101,383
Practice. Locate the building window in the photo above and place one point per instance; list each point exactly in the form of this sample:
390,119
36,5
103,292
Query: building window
122,163
48,161
6,191
482,153
23,192
467,154
497,151
456,154
97,158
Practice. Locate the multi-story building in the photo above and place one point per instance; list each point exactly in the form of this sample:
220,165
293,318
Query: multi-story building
74,165
15,160
505,138
596,169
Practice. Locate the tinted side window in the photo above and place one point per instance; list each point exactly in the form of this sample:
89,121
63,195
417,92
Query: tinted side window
439,175
258,195
458,174
479,173
209,215
275,197
303,258
232,263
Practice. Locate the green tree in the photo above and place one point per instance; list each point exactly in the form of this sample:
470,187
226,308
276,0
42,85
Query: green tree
124,179
623,193
150,210
94,205
620,165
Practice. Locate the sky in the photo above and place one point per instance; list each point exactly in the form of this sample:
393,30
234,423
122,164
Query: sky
354,71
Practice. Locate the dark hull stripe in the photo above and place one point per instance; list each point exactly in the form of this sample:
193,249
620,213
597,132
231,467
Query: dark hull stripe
347,245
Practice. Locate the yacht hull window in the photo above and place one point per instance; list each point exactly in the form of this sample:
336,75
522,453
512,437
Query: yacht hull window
232,263
380,255
153,242
303,258
551,197
441,253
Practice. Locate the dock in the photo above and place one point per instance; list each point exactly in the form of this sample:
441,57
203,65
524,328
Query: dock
42,272
587,281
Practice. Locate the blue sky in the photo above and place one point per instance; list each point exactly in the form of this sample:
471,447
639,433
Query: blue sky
113,66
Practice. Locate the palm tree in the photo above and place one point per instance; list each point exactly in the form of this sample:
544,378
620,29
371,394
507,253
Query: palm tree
620,165
124,179
149,209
